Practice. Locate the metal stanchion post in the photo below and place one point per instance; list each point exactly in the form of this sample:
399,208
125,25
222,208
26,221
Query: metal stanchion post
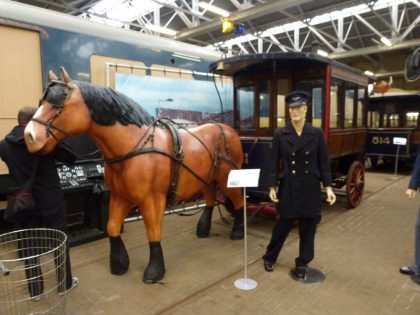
245,283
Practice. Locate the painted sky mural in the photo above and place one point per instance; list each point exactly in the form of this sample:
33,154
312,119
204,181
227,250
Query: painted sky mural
175,93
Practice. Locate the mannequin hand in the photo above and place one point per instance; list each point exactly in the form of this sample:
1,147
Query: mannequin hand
411,193
273,195
331,198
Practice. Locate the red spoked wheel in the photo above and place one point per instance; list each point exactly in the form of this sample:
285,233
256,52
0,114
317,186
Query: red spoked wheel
355,184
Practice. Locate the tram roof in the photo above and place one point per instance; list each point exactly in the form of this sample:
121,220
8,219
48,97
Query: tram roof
408,98
233,65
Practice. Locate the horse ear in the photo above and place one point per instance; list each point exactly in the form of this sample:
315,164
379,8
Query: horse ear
52,76
64,75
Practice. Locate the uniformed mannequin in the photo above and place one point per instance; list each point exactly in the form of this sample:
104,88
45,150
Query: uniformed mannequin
299,164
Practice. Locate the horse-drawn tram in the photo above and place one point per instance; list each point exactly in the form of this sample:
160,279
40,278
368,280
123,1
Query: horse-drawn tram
391,119
338,95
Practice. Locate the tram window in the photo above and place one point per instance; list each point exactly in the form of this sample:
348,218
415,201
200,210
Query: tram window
245,97
411,119
359,119
282,89
373,119
317,107
313,86
393,120
384,120
264,105
348,108
334,111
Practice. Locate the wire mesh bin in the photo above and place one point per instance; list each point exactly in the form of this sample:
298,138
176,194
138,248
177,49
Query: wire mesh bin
32,272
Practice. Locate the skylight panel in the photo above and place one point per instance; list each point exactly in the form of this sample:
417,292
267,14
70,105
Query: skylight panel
119,12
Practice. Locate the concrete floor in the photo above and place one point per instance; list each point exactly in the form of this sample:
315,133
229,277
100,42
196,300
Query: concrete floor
359,250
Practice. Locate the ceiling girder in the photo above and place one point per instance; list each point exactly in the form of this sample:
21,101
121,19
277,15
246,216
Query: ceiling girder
253,12
374,50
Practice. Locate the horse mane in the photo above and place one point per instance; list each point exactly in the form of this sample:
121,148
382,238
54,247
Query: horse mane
108,106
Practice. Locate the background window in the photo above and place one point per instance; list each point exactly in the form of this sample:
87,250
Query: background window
317,107
282,88
334,111
264,105
411,119
245,97
348,108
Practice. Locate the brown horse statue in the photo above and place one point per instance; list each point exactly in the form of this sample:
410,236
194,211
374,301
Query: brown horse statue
144,160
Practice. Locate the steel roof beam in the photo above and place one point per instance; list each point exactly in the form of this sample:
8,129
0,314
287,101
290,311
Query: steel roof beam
254,12
374,49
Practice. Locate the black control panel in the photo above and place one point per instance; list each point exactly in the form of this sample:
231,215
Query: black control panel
81,174
86,197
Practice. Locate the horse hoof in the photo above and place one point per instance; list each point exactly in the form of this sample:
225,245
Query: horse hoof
204,224
119,269
237,234
153,275
203,231
118,257
202,235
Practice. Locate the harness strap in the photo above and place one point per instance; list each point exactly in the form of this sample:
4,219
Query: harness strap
49,124
159,151
179,157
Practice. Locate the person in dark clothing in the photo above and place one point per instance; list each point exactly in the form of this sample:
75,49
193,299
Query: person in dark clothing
50,209
300,163
411,192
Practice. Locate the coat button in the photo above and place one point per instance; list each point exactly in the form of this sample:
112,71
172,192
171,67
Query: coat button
293,162
306,162
307,152
293,172
306,172
293,154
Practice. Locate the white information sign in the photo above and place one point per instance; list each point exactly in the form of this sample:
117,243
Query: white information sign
399,141
244,178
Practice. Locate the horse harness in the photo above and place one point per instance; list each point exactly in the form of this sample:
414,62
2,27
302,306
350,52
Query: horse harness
178,155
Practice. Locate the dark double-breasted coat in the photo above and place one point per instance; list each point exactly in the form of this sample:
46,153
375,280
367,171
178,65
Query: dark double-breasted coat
299,165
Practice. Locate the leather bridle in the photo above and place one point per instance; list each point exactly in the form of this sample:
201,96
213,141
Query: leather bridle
49,122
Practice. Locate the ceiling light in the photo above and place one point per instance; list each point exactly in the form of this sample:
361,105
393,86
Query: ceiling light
367,72
321,52
213,8
160,29
386,41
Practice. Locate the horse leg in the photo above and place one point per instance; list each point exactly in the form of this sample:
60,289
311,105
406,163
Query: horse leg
237,232
118,257
204,223
152,211
236,202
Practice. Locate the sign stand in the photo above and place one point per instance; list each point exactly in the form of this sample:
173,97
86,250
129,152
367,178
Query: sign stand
244,178
398,141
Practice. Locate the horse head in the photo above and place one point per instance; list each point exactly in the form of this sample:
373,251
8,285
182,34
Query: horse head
60,107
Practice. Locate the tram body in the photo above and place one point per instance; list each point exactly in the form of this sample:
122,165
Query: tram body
338,95
392,121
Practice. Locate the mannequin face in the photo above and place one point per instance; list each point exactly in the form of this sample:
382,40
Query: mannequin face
298,113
